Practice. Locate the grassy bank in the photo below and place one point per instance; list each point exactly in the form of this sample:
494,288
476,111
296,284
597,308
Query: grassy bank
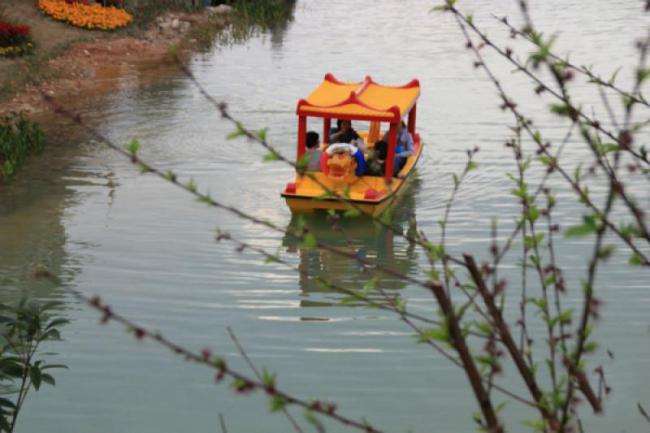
53,38
67,59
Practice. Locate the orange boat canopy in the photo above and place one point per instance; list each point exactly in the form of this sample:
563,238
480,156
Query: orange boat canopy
366,100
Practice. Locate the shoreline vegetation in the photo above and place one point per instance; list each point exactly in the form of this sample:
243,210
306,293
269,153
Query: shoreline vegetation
69,59
72,63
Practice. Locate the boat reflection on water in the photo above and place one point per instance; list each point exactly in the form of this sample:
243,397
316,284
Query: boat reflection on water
362,236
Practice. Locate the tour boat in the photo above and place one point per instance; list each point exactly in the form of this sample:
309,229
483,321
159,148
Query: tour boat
340,183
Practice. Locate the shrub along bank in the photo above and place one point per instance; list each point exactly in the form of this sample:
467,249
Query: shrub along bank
55,72
19,137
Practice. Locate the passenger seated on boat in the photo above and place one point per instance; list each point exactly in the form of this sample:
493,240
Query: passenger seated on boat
376,164
404,146
313,152
344,133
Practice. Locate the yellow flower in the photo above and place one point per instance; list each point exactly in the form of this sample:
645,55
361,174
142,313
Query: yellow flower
86,16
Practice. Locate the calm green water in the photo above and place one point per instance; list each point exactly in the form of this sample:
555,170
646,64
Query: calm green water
148,249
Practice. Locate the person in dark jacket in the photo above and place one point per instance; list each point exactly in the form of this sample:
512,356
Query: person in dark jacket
344,133
376,164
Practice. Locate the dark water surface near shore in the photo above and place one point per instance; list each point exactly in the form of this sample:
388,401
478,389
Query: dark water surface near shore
148,249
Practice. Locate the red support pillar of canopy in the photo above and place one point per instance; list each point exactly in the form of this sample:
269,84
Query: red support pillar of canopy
302,136
390,157
327,125
411,125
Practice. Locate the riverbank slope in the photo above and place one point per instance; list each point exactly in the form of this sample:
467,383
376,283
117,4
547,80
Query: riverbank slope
68,60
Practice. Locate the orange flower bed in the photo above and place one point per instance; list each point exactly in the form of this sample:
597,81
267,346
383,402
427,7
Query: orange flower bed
87,16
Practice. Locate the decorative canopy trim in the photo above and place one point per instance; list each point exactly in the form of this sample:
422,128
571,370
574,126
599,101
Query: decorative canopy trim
360,103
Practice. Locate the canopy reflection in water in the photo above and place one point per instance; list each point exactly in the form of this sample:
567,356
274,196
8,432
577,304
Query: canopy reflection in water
321,271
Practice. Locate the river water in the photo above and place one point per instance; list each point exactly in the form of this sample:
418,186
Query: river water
83,212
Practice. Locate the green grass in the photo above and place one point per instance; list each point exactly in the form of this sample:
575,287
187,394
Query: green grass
145,12
19,137
266,14
256,16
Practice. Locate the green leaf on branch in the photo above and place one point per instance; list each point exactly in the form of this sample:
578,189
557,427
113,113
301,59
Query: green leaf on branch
471,165
261,134
544,48
51,366
325,195
400,305
612,79
539,303
533,241
563,110
606,148
643,74
352,299
57,322
352,213
387,216
309,241
133,147
47,378
302,163
486,360
371,285
590,347
35,376
484,327
277,403
522,192
606,251
238,132
440,8
456,180
440,333
268,378
444,7
548,161
436,251
537,425
311,418
272,156
533,214
635,260
566,316
4,424
550,279
5,402
191,185
587,227
433,274
273,258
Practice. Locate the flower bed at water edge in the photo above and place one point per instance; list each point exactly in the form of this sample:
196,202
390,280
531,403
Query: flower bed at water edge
82,14
14,40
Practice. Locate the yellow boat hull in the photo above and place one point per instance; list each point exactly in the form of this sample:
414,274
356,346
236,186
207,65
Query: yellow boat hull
311,193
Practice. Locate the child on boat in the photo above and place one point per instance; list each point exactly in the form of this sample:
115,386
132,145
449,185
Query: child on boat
376,164
313,152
